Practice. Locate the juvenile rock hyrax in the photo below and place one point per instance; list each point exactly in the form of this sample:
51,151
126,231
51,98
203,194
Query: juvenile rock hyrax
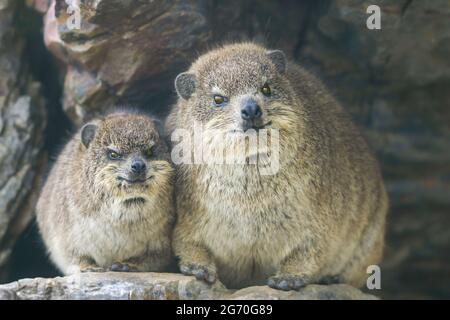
108,201
320,217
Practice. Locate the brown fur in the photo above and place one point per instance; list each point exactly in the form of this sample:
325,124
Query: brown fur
323,213
90,220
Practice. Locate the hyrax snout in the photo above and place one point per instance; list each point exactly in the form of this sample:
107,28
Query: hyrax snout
108,201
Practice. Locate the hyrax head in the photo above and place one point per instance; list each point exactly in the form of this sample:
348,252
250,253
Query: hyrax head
238,87
125,156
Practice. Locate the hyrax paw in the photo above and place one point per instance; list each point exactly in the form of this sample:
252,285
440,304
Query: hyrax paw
122,267
200,272
287,282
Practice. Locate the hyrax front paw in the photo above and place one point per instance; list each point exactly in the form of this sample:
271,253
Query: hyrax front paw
287,282
123,267
200,272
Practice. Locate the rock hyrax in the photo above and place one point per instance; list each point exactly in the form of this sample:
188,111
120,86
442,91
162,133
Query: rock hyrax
321,217
108,201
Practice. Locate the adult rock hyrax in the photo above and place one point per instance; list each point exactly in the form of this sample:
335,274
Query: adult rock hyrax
108,201
320,217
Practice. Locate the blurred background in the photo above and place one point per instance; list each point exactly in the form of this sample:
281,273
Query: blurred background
395,82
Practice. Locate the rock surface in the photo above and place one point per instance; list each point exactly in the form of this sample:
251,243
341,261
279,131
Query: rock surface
22,123
123,52
159,286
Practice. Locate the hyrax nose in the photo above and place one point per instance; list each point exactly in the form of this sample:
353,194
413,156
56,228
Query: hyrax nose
251,110
138,166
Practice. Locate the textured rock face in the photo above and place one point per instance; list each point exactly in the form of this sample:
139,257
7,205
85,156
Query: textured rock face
159,286
22,121
125,52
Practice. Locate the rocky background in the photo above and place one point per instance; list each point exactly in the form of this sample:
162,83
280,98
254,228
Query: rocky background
395,82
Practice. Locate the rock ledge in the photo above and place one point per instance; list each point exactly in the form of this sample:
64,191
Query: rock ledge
159,286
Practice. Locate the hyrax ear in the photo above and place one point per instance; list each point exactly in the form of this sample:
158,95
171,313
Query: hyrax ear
88,133
185,85
278,59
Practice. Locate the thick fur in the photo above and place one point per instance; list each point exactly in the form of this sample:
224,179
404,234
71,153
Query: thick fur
89,220
322,214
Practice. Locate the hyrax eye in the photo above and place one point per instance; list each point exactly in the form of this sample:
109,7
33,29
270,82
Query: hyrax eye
266,90
219,100
149,152
113,155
